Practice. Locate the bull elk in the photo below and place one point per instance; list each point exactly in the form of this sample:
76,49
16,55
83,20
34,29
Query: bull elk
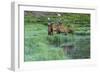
58,28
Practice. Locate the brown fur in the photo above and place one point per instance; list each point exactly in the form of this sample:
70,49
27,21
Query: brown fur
54,28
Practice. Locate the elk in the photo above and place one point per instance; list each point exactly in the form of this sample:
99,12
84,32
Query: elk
58,28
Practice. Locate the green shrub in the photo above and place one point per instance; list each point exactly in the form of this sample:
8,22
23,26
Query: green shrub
82,48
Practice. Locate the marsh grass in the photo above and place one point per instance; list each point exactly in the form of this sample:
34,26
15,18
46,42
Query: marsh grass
39,46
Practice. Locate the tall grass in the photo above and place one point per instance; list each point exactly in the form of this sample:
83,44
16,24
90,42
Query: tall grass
39,46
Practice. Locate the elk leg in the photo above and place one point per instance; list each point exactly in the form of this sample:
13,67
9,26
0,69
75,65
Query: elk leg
49,30
58,32
58,29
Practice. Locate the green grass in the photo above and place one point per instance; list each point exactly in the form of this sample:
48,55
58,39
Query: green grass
39,46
